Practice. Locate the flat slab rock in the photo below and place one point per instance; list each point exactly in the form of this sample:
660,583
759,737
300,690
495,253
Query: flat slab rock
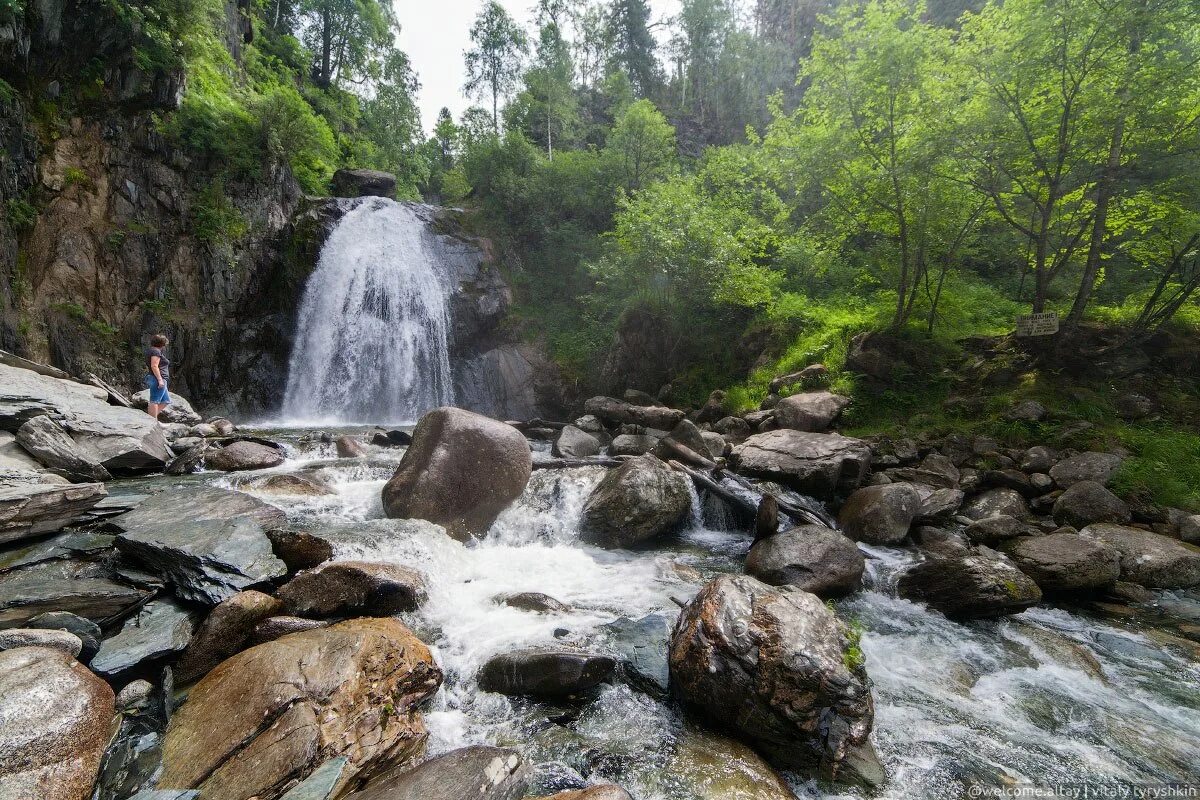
208,543
80,587
478,772
820,464
35,509
160,628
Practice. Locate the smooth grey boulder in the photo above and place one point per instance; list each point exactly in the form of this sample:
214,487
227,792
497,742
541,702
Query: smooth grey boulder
938,504
641,647
15,462
359,588
810,411
461,470
180,411
1091,466
122,440
208,543
224,632
639,500
289,484
1086,502
632,444
612,410
811,558
880,514
80,587
160,628
534,602
991,530
1065,562
545,672
354,182
975,585
478,772
777,666
939,542
56,718
54,449
33,509
1150,559
715,443
734,429
243,455
1038,459
996,502
83,629
575,443
65,641
819,464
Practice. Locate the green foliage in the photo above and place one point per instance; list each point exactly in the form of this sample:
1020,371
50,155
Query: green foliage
99,328
1164,469
73,176
22,215
215,220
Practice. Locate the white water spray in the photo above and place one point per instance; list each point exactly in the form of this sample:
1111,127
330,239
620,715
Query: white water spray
372,335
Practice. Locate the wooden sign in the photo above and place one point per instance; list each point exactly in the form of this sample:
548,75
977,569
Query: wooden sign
1044,324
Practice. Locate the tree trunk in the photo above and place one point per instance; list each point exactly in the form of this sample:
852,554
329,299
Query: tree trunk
324,79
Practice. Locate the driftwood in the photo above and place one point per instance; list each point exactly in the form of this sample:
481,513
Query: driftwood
684,453
115,396
712,485
568,463
538,423
789,509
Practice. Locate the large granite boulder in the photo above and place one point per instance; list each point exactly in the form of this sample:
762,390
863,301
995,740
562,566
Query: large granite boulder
54,449
997,502
716,767
616,411
545,672
478,772
777,666
56,718
1065,562
274,713
208,543
880,514
1150,559
575,443
1098,467
349,182
243,455
1086,502
812,558
122,440
820,464
461,470
345,588
180,411
224,632
65,641
160,628
637,501
976,585
810,411
76,586
33,509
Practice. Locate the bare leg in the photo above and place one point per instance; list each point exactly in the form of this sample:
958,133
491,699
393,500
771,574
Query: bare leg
152,409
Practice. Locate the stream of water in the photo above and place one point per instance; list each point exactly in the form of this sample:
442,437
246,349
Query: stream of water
1055,694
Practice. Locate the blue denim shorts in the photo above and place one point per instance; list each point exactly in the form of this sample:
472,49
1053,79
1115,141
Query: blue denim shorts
157,396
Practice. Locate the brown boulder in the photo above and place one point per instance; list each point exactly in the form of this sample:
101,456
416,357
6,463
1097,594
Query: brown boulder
224,632
461,470
637,501
880,514
243,455
810,411
820,464
339,588
274,713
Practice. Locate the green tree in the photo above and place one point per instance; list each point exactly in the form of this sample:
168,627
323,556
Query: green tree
641,146
632,47
392,122
547,111
494,61
348,38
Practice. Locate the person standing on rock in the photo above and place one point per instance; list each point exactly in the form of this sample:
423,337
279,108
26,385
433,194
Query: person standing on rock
158,372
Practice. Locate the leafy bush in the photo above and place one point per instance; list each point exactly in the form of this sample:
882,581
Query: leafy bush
215,219
22,215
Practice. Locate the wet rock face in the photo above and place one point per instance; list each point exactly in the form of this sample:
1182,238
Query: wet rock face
33,509
70,585
478,772
161,628
46,441
224,632
55,721
777,666
243,456
546,673
811,558
637,501
353,587
364,183
1065,562
880,514
461,470
350,689
1150,559
975,585
820,464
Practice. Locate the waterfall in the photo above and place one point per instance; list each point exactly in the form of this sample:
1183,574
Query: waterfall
371,343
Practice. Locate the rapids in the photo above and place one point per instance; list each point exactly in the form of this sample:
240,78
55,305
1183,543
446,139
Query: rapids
1055,694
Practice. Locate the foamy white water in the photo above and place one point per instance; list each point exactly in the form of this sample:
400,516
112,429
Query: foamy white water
371,343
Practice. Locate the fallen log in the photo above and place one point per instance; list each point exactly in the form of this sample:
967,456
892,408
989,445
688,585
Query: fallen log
569,463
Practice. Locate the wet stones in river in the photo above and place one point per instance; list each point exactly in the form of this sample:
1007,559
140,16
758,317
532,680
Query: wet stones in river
160,628
937,504
818,464
1150,559
1065,562
224,632
880,514
606,791
478,772
273,628
64,641
632,444
391,438
779,667
290,484
351,689
981,584
56,718
81,587
243,455
575,443
85,630
53,447
341,588
1086,502
641,647
545,673
998,528
208,543
616,411
637,501
812,558
534,602
810,411
299,549
33,509
716,767
323,784
349,447
461,470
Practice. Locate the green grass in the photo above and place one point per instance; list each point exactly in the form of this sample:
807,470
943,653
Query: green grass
1165,467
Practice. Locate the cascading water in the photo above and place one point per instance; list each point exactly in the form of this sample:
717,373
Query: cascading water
372,333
